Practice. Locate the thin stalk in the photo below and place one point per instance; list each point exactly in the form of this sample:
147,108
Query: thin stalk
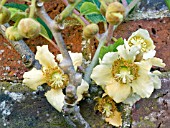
32,9
78,15
131,6
94,61
124,2
110,34
3,2
66,12
79,19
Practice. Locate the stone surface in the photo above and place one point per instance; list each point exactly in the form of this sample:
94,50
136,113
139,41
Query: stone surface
154,112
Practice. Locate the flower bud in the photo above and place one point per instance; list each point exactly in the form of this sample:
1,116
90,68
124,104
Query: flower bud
5,15
12,33
29,28
115,13
103,8
90,30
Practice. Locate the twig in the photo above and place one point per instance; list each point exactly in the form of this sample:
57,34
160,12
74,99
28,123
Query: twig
66,12
78,14
27,55
110,34
131,6
124,2
70,108
94,61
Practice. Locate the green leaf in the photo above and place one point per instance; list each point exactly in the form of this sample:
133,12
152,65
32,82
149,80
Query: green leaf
88,8
46,27
110,48
129,1
22,7
16,14
168,3
44,32
96,18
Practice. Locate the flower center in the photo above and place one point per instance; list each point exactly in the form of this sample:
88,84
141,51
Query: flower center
124,71
56,78
136,40
106,106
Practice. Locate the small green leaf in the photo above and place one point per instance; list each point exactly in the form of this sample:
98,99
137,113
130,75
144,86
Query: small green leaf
96,18
22,7
89,8
168,3
46,27
129,1
16,14
44,32
110,48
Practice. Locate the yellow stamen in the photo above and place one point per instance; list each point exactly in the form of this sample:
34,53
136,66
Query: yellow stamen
56,78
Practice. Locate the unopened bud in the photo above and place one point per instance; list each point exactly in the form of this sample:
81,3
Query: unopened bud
5,15
29,28
12,33
90,30
115,13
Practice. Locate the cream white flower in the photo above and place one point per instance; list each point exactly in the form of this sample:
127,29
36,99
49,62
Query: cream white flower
120,76
107,107
142,39
53,76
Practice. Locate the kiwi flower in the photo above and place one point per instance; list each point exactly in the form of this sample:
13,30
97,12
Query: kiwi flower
107,107
142,39
120,76
53,75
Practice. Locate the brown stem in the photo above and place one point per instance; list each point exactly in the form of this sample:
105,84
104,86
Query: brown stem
70,108
77,13
110,34
20,46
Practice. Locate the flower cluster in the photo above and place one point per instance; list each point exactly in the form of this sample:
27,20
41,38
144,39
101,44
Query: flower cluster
54,76
126,75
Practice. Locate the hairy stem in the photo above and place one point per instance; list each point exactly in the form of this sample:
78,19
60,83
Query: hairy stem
94,61
110,34
32,9
131,6
77,15
3,2
20,46
70,108
66,12
124,2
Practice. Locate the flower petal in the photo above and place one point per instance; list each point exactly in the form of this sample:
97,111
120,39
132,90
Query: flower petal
155,79
149,54
45,57
143,85
132,99
157,62
56,98
109,58
101,74
115,119
82,89
75,57
118,92
128,54
145,35
33,78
